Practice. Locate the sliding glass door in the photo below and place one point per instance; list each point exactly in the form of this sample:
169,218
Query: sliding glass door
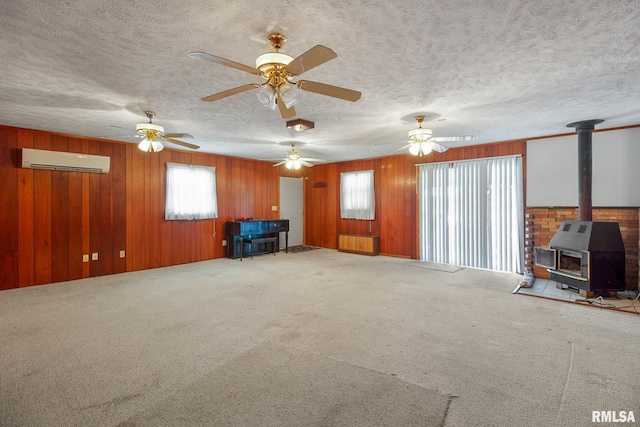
471,213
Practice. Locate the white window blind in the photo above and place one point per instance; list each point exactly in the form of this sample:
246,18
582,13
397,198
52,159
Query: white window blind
357,197
191,192
472,213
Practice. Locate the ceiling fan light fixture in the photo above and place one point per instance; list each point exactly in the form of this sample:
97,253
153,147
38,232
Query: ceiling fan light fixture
150,145
156,146
426,148
144,145
414,148
293,164
287,95
267,96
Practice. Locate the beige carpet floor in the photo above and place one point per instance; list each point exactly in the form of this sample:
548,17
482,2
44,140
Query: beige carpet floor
276,385
311,338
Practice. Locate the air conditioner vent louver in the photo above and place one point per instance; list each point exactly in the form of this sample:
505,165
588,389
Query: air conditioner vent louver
63,161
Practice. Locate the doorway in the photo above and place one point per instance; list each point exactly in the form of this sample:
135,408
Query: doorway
291,207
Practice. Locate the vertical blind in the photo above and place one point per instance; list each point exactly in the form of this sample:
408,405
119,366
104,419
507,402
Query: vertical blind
472,213
357,196
191,192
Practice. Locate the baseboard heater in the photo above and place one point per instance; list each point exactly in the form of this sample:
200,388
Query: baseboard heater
359,244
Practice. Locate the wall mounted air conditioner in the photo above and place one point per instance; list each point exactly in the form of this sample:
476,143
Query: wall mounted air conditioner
63,161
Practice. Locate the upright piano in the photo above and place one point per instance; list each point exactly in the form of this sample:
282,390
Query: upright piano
245,238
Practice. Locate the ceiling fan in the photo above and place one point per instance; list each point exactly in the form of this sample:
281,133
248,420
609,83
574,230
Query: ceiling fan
154,136
293,159
422,142
280,71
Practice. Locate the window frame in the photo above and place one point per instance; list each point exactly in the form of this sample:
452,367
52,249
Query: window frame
357,195
191,192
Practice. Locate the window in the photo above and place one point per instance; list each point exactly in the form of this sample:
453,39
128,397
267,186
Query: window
357,199
191,192
471,213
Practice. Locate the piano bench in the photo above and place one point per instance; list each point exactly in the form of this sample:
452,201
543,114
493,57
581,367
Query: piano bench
258,240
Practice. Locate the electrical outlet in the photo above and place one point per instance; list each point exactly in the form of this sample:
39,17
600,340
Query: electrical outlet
274,208
85,258
94,256
224,243
121,254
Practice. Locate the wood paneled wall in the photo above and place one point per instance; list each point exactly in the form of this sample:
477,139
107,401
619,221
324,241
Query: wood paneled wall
50,219
396,198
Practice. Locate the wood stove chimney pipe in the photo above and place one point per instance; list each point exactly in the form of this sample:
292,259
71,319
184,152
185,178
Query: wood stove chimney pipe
585,129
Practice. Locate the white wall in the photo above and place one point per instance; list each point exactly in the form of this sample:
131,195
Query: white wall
552,170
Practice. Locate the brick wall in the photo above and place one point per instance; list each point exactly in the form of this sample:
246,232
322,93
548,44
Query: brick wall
542,223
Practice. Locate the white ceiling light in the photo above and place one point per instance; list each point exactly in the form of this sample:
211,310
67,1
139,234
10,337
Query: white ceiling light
154,135
287,95
151,132
293,159
293,164
422,142
145,145
267,96
420,148
150,145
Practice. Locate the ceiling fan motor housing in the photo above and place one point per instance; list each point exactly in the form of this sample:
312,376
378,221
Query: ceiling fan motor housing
144,127
420,134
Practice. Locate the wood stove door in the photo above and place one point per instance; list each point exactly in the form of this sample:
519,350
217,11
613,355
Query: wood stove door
574,263
546,257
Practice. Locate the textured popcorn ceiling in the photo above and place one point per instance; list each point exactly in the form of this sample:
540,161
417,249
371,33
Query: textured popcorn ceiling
495,69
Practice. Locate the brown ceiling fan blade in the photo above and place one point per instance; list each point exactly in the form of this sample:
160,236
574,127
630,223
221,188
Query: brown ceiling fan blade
453,138
315,56
307,164
226,93
281,163
184,144
177,135
309,159
225,62
328,90
285,112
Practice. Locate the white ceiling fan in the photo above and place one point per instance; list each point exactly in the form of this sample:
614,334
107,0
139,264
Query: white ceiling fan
422,142
293,159
280,71
154,136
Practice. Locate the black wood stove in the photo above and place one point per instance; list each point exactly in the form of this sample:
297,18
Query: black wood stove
585,254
